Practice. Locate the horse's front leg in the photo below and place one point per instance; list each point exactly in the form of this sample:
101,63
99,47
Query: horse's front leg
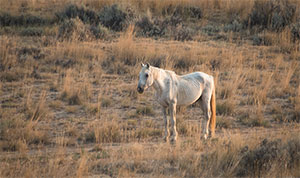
166,121
173,121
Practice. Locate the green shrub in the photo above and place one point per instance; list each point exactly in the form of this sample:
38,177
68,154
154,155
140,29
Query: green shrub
210,29
295,31
74,29
66,29
173,20
170,25
183,11
99,31
257,40
269,155
184,33
23,20
84,14
113,18
150,28
32,31
274,15
234,26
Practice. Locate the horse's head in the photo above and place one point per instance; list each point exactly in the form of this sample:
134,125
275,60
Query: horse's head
145,78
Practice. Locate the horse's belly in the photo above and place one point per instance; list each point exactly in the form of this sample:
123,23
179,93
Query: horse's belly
188,99
188,92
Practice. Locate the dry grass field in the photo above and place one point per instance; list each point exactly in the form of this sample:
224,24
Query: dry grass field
68,78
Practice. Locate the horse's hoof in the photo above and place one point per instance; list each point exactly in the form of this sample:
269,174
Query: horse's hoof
173,142
173,139
166,139
204,137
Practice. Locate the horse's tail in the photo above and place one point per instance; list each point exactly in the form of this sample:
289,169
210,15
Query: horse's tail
212,122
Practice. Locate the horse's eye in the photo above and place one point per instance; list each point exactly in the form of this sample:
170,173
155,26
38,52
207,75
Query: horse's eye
146,75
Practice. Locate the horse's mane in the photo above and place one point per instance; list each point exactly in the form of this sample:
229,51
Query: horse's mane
170,73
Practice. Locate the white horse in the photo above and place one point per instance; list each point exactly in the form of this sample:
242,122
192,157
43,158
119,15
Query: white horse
173,90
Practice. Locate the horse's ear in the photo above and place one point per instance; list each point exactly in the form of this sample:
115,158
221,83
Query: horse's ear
147,65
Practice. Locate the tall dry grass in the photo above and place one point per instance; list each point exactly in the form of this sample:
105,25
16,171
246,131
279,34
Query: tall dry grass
8,59
225,158
20,130
96,123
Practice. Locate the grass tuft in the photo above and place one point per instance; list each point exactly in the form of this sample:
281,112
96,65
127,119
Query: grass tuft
145,110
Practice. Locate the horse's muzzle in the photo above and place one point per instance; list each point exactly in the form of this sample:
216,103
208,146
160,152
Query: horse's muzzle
140,89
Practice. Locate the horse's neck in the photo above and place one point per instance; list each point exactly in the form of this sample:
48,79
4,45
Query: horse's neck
158,79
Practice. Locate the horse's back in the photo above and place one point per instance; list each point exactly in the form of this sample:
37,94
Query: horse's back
199,76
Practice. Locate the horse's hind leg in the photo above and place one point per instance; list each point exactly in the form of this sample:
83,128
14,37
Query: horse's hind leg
205,106
172,108
166,121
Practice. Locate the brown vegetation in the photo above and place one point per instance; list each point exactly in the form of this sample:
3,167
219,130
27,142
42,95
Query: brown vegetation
69,106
